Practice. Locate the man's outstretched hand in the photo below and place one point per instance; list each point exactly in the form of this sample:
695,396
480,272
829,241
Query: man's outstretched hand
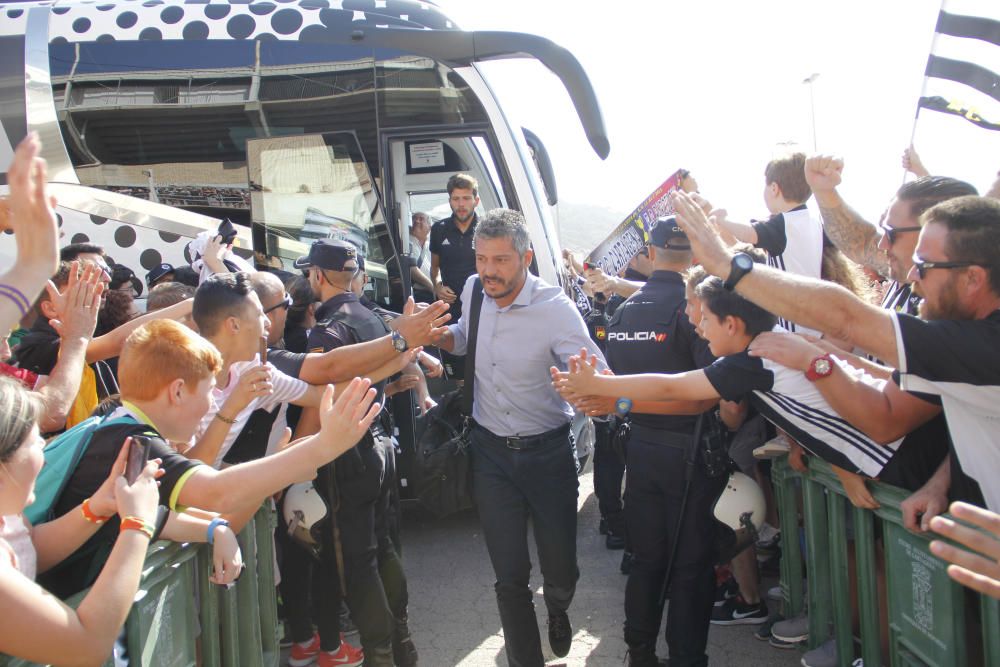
706,243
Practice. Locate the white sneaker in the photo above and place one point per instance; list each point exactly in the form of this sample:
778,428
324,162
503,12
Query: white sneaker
773,448
792,630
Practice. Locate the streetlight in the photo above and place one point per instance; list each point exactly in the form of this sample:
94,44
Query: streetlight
812,104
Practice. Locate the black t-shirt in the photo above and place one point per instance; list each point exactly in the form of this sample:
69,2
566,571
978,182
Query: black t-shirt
73,575
38,352
456,256
251,443
649,333
793,403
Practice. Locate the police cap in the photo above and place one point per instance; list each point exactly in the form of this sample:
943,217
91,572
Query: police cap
331,255
666,233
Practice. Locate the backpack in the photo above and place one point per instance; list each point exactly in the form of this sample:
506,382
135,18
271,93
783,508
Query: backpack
62,455
442,472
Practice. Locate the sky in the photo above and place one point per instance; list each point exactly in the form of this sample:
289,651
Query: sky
716,87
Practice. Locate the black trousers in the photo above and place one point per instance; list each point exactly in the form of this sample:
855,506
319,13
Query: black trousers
609,470
653,498
359,486
509,487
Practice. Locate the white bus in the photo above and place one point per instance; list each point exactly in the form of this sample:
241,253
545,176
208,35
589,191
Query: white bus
296,120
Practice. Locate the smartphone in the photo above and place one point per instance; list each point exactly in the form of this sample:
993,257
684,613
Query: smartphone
138,454
227,231
263,350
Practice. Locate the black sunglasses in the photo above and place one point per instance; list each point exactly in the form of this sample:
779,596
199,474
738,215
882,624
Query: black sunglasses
922,267
892,232
285,303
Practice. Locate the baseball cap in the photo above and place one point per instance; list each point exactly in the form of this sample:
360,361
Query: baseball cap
666,233
329,254
158,272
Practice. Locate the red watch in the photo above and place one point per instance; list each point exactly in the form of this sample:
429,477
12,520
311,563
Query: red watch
820,367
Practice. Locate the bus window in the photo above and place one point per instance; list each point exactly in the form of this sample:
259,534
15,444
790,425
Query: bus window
313,187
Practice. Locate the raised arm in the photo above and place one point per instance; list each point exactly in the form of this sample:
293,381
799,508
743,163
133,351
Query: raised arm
418,327
853,235
885,414
247,484
110,344
812,303
29,214
75,324
40,628
582,379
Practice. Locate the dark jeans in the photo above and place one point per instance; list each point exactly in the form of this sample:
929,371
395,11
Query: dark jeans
653,498
298,569
609,470
510,486
387,527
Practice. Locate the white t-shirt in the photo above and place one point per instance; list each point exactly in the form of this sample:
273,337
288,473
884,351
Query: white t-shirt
286,389
794,243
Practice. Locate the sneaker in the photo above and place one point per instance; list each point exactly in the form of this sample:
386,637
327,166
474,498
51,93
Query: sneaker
726,591
738,612
777,643
773,448
304,654
824,655
763,631
404,652
767,536
345,656
560,633
347,626
793,630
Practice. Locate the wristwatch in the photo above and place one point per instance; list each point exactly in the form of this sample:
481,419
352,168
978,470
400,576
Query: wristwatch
820,367
623,406
398,342
741,265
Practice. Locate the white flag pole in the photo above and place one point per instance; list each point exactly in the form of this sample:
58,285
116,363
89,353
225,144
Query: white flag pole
923,85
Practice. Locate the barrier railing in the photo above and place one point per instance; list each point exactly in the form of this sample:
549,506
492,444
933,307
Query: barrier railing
176,605
931,620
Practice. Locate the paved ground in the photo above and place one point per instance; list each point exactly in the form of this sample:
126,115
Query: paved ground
453,614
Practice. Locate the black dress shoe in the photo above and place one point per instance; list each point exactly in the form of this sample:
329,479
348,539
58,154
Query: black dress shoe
560,633
627,559
614,541
642,656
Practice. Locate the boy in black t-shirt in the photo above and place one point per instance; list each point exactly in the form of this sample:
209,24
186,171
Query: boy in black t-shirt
166,376
783,395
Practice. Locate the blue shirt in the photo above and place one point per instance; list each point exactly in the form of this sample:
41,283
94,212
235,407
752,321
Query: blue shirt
516,346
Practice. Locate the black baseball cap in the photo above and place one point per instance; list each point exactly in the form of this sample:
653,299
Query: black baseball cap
157,273
330,254
666,233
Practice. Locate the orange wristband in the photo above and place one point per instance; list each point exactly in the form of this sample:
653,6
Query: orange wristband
89,515
135,523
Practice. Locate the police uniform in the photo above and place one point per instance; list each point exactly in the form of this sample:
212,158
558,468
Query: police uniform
649,332
355,482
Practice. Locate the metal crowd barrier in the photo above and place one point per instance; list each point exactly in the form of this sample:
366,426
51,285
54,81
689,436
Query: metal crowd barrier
176,606
932,620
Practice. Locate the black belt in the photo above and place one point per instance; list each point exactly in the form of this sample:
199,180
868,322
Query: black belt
522,442
661,436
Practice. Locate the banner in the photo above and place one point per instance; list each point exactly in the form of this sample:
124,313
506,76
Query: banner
614,253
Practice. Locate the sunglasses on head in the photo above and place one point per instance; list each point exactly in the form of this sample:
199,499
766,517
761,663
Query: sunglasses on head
923,267
892,233
285,303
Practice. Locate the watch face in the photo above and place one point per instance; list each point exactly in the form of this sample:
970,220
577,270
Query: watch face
822,366
399,343
744,261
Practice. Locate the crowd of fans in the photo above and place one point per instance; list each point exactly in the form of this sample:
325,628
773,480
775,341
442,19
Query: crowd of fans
869,346
888,330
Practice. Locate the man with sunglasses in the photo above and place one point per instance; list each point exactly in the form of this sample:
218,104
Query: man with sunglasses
951,354
887,247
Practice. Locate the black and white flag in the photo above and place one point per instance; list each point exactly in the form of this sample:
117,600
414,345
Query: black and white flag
963,69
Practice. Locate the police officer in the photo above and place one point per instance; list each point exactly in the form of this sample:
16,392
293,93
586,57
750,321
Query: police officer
650,333
356,483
